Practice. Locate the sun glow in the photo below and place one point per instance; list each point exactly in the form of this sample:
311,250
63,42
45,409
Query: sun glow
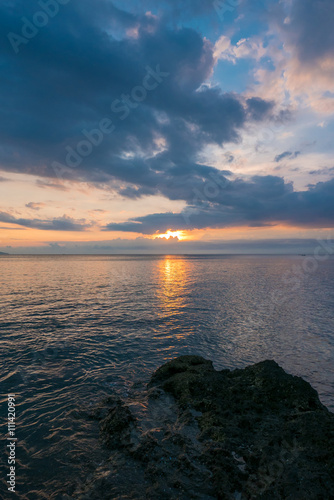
171,234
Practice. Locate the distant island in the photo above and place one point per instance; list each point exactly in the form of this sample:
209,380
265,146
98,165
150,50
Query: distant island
4,253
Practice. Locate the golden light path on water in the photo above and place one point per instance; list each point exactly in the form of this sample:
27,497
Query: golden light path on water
173,279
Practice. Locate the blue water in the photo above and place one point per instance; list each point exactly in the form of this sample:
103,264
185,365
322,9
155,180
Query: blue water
74,328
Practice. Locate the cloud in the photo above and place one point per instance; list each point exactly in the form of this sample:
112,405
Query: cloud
303,64
35,206
175,10
64,223
296,19
287,155
94,64
46,184
256,202
99,211
322,171
258,108
316,17
245,48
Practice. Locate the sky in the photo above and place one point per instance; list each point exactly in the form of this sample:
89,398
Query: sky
176,126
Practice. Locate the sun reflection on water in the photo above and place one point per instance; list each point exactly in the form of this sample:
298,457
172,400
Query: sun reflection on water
173,277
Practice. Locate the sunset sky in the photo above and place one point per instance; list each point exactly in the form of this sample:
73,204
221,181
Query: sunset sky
210,123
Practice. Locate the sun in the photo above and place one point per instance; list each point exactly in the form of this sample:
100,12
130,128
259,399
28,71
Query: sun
171,234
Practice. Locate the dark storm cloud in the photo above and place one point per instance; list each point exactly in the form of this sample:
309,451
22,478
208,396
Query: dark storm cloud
259,109
255,203
57,224
64,80
310,29
150,224
287,155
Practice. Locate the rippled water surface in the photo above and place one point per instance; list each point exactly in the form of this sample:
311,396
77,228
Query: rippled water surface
74,328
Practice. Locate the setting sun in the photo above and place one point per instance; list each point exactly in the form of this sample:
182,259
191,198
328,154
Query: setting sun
171,234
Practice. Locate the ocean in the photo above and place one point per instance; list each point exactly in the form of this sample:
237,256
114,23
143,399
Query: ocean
77,328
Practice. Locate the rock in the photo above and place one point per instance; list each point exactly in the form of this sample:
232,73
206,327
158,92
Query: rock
116,425
256,433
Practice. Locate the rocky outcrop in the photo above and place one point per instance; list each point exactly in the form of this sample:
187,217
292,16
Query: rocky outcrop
256,433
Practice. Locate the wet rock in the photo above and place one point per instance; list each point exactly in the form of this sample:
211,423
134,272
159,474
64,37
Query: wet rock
256,433
116,426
